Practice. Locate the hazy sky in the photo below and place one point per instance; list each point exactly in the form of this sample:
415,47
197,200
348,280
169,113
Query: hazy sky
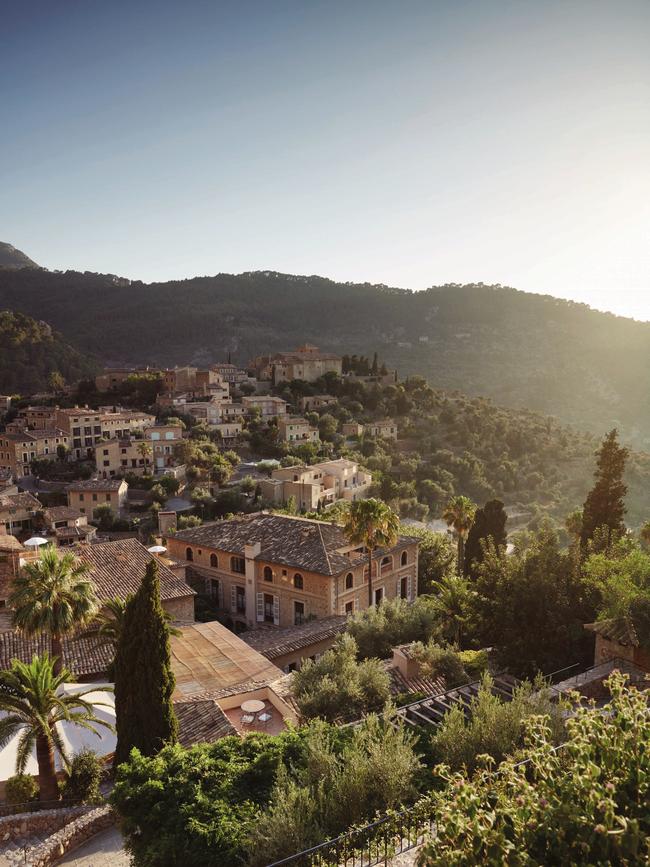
409,143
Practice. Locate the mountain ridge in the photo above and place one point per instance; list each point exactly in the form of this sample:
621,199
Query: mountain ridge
12,257
521,349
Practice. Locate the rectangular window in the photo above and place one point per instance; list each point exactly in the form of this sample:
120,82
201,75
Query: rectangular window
349,607
268,608
298,613
94,498
238,565
240,600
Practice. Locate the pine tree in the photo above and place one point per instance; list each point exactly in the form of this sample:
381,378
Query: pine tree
375,365
489,523
605,503
144,681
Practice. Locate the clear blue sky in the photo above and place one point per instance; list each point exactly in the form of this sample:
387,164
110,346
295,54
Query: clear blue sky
410,143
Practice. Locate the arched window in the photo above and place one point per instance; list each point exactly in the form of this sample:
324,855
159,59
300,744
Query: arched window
386,563
297,581
349,581
268,573
214,562
189,554
404,559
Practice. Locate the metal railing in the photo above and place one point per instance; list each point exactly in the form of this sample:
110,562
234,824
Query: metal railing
372,844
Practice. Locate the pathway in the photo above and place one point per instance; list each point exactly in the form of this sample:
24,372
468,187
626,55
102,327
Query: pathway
105,849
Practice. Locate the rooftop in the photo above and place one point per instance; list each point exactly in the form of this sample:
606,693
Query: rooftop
96,485
62,513
201,722
273,643
23,500
207,659
86,656
314,546
117,569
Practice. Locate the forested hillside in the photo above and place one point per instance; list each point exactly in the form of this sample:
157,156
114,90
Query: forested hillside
587,368
451,444
31,353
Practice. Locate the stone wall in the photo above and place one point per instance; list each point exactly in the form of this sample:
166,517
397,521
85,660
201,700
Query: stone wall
57,831
39,824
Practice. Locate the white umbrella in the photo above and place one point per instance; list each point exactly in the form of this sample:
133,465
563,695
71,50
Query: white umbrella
36,542
157,549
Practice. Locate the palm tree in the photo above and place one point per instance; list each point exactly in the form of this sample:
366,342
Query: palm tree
459,515
52,595
34,702
452,600
371,523
144,450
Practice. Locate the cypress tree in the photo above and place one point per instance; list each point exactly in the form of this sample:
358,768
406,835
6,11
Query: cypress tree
144,680
604,507
489,523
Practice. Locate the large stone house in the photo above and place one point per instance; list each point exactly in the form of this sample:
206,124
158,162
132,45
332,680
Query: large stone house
294,429
17,512
86,496
86,427
317,485
280,570
306,363
267,405
19,449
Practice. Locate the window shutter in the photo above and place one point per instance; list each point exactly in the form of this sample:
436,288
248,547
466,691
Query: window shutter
398,589
260,607
276,610
220,595
233,599
408,588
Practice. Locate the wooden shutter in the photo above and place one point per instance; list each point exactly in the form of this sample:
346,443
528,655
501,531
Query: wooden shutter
408,588
233,599
260,607
398,588
276,610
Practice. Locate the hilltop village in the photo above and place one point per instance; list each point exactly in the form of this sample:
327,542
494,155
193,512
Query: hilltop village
283,560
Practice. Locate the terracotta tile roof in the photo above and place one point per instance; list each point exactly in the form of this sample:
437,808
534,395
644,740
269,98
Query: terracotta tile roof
96,485
23,500
84,656
62,513
297,542
9,543
273,643
201,722
619,629
400,684
207,659
117,569
82,532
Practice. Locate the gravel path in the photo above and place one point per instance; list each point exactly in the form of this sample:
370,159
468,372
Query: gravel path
105,849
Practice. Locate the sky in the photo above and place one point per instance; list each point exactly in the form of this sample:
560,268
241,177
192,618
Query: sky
407,143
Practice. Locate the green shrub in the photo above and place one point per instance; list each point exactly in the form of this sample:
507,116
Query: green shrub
380,628
438,661
495,727
83,779
20,789
337,686
475,663
584,804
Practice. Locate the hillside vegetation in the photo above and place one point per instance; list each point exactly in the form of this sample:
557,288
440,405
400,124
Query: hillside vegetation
452,444
561,358
30,353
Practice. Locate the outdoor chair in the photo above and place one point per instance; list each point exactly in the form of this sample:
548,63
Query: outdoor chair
247,719
265,718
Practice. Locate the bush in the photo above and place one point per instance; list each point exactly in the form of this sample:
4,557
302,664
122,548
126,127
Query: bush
20,789
584,804
337,686
436,661
494,727
475,663
380,628
84,776
374,771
